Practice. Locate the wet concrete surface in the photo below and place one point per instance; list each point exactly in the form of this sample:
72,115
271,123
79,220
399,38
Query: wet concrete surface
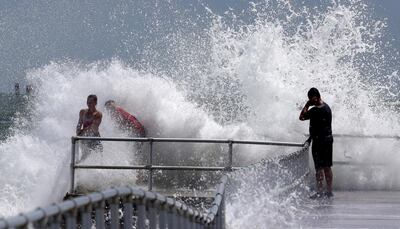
353,209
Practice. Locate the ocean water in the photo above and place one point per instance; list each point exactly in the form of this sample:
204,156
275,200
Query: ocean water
232,75
12,106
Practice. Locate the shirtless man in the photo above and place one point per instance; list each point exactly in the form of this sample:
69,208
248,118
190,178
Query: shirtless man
88,125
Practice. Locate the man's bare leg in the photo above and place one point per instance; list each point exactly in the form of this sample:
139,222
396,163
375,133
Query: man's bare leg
328,178
319,175
320,178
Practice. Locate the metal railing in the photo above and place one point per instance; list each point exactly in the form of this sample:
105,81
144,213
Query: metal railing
378,136
128,207
363,137
140,209
151,167
277,175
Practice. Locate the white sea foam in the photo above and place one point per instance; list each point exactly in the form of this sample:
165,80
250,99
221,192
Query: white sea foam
269,64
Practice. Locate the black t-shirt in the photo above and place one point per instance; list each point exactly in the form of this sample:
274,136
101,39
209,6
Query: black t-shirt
320,120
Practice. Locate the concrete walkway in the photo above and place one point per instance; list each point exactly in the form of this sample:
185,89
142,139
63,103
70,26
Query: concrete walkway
353,209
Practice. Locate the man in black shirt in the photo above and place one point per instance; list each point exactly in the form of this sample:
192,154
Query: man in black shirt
320,117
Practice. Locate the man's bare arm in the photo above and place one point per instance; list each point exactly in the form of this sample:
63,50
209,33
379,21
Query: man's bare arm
303,116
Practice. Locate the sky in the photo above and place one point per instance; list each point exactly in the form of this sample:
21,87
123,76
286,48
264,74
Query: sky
34,33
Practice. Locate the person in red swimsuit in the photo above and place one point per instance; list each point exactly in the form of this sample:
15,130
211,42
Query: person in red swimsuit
88,125
125,120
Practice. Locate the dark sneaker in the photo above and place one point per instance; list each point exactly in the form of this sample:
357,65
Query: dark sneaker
329,194
316,195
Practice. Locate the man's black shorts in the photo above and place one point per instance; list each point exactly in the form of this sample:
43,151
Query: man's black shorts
322,151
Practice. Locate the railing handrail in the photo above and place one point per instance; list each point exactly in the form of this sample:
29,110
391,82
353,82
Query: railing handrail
151,167
366,136
158,167
134,194
190,140
380,136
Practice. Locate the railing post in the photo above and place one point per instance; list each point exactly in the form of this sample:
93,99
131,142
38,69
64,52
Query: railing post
162,218
72,166
114,213
99,214
86,217
150,165
152,216
230,154
141,214
222,212
128,211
